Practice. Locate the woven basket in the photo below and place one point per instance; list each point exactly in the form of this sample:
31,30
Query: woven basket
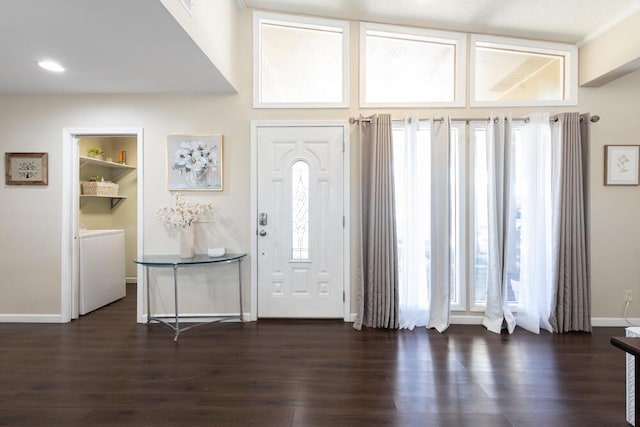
94,188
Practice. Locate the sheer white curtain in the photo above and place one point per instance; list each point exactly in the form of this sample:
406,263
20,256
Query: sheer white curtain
421,171
411,149
439,307
513,216
522,199
535,160
496,210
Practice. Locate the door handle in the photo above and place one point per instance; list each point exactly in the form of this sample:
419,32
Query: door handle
263,233
262,218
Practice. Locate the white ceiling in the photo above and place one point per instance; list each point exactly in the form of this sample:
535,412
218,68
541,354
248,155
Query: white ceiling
135,46
107,46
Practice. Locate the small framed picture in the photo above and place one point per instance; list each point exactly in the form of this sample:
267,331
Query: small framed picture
26,168
194,162
621,164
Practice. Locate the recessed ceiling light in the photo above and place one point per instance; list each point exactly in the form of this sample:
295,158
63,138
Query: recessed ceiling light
51,66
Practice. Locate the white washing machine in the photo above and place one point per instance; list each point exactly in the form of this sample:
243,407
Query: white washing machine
102,268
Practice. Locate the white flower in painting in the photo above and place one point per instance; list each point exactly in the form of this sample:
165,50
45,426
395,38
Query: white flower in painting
195,157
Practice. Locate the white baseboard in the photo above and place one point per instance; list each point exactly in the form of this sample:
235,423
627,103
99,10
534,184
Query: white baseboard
455,319
463,319
131,280
30,318
614,322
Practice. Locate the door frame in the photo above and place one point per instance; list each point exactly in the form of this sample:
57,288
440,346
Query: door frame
70,268
346,198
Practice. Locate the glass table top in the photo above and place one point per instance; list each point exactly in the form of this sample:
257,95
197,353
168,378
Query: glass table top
196,259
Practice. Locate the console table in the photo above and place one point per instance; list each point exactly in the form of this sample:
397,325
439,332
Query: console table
631,345
175,262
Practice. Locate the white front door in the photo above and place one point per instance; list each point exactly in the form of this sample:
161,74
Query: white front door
300,221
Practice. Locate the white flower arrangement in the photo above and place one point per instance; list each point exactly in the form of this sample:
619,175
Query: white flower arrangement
195,157
183,214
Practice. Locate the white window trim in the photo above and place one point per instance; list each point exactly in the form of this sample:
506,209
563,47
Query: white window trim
307,22
458,39
461,200
569,52
473,305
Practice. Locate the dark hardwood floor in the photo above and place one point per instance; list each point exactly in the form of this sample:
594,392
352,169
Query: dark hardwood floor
105,369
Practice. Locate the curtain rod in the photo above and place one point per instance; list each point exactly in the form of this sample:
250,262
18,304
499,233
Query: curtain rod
353,120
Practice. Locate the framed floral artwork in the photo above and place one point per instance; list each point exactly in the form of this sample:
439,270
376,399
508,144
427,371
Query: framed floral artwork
26,168
195,162
621,164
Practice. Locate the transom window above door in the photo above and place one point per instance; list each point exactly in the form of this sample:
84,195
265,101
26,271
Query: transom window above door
411,67
299,62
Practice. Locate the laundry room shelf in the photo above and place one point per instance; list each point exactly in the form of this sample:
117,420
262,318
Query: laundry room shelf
114,199
118,168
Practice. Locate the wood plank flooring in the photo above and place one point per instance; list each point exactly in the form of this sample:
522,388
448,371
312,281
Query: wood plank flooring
105,369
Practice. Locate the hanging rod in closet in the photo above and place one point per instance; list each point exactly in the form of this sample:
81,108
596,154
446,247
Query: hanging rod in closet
353,120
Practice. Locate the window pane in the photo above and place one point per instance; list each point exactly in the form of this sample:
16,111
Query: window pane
521,177
480,215
300,211
408,69
300,64
509,74
456,185
412,160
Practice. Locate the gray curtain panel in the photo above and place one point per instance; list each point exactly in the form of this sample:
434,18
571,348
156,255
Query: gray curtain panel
572,311
378,296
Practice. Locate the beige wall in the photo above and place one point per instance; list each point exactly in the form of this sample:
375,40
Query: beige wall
31,217
611,55
213,26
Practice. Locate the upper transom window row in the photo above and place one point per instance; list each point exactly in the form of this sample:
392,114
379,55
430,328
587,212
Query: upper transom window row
300,61
304,62
512,72
404,67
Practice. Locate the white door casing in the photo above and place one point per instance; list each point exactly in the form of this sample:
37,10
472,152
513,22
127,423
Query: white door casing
70,197
300,186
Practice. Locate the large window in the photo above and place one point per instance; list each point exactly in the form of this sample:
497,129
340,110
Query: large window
513,72
470,211
412,175
402,66
300,62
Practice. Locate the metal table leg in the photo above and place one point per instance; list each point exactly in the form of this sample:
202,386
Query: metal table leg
240,289
175,288
148,297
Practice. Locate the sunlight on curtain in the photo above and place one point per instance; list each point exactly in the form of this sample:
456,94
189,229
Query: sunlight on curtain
422,176
490,156
520,212
412,173
511,220
531,260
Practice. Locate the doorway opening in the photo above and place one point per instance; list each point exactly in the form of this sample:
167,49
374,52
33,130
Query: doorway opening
102,217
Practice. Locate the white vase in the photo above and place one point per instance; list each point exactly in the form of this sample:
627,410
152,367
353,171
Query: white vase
186,243
196,179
